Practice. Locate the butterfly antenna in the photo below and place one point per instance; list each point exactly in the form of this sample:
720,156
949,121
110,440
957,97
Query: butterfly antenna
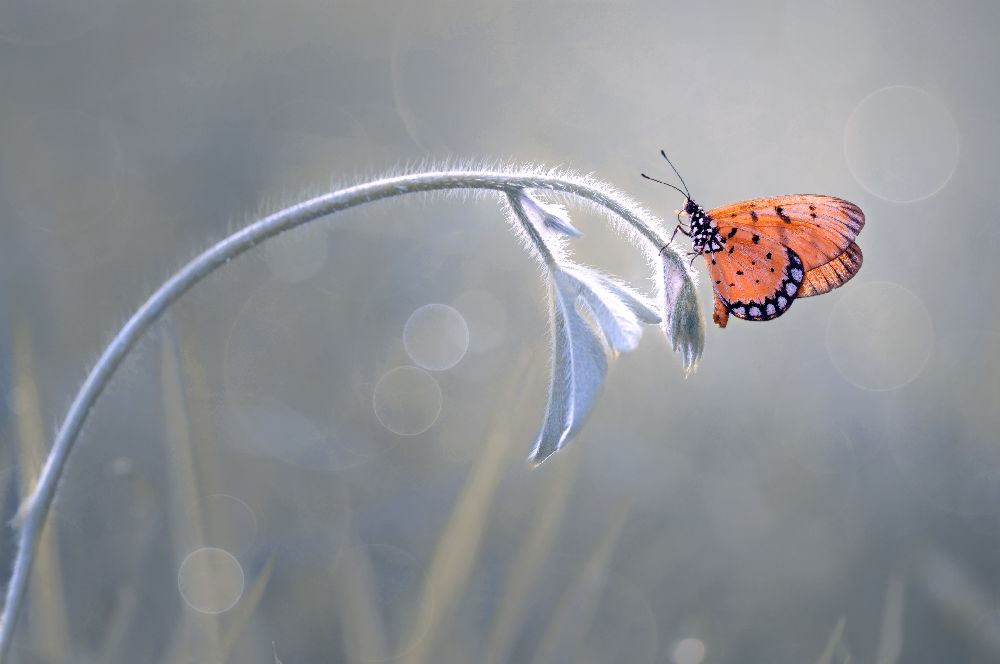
665,183
686,193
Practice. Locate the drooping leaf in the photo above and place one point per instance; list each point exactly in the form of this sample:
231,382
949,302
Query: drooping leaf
641,306
579,366
683,324
547,217
613,307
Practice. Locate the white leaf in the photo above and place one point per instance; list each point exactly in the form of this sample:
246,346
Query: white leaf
683,324
579,366
640,306
547,217
613,316
644,310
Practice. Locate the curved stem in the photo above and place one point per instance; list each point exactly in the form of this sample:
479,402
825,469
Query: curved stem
36,507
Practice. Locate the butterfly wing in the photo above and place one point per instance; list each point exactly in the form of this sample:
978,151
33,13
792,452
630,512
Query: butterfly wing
754,279
817,228
834,274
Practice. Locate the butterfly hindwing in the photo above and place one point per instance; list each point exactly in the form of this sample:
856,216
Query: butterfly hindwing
817,228
834,274
754,277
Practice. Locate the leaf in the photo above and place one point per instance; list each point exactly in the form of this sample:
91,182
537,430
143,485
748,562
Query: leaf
613,306
579,366
639,305
547,217
683,324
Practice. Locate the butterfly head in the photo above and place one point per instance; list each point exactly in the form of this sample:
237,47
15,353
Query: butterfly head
688,209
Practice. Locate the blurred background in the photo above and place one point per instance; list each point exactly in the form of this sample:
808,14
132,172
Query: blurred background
319,455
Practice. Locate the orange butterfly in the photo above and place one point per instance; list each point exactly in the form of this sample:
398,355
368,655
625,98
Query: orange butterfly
764,253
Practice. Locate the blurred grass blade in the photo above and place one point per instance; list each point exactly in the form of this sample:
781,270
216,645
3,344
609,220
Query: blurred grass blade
49,635
890,641
240,616
836,636
579,603
460,541
187,524
528,564
363,628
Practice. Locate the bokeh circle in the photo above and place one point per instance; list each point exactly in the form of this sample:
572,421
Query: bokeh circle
407,401
436,337
689,651
210,580
879,336
901,144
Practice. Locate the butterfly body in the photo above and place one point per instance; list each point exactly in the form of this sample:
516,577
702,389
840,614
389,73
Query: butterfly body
705,236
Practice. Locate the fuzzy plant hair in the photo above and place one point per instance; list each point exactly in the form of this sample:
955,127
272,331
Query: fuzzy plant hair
592,315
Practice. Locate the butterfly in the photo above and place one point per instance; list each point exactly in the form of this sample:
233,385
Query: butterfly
764,253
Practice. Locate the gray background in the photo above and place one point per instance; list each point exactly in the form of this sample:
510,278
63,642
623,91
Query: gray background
824,488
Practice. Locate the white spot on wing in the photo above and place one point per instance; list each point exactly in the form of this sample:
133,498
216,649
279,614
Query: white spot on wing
770,310
782,302
790,288
797,274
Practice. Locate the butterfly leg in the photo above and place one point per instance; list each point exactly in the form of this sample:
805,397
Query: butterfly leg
679,227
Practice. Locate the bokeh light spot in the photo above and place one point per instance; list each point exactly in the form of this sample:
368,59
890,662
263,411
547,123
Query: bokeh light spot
210,580
689,651
901,144
407,401
879,336
436,337
393,581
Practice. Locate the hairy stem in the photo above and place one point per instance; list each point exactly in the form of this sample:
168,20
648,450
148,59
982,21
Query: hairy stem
36,508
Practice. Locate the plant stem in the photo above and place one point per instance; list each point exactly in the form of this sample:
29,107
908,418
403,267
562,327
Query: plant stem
36,508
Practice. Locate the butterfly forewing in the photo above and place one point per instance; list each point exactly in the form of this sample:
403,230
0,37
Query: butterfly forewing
817,228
